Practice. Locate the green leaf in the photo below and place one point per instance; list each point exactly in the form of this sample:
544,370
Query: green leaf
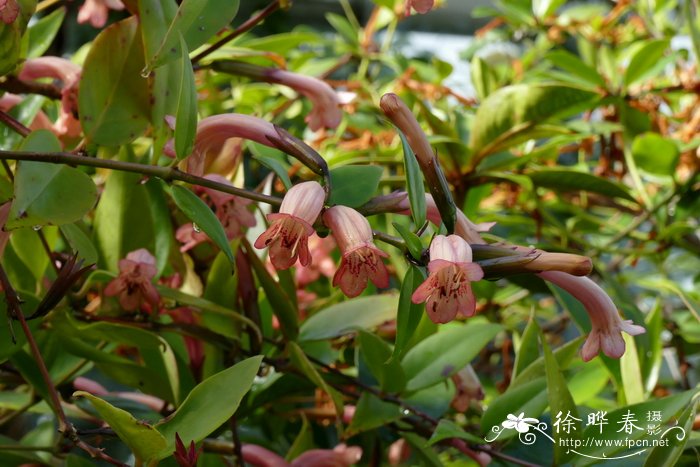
186,117
344,28
27,245
571,180
80,243
123,205
209,404
669,407
414,182
483,77
199,213
561,405
196,21
162,224
372,412
545,8
447,429
282,306
24,112
645,60
441,355
512,113
354,185
377,356
303,364
155,16
348,316
631,372
529,350
668,456
572,64
48,193
144,441
655,154
409,314
42,33
529,398
114,97
413,243
11,36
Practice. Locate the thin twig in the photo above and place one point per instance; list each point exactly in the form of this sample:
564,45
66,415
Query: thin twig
17,86
245,27
67,429
167,174
13,124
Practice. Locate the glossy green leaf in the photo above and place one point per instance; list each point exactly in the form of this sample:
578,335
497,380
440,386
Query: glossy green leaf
385,369
575,66
42,33
209,404
186,117
156,17
571,180
443,354
414,182
354,185
561,405
123,205
114,98
564,355
372,412
631,372
529,350
645,60
529,398
196,21
669,407
348,316
282,306
80,243
49,193
409,314
483,77
28,246
11,36
513,113
655,154
303,364
162,224
144,441
447,429
199,213
668,456
413,243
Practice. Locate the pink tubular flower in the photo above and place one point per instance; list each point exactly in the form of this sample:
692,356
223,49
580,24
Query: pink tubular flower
95,11
340,456
607,326
291,228
323,264
421,6
447,290
231,210
326,111
9,10
362,260
69,74
213,132
134,283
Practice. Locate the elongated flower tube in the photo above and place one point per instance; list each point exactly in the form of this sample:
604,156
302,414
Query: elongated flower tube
362,260
421,6
69,74
213,132
607,326
290,229
447,291
326,111
401,116
95,11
